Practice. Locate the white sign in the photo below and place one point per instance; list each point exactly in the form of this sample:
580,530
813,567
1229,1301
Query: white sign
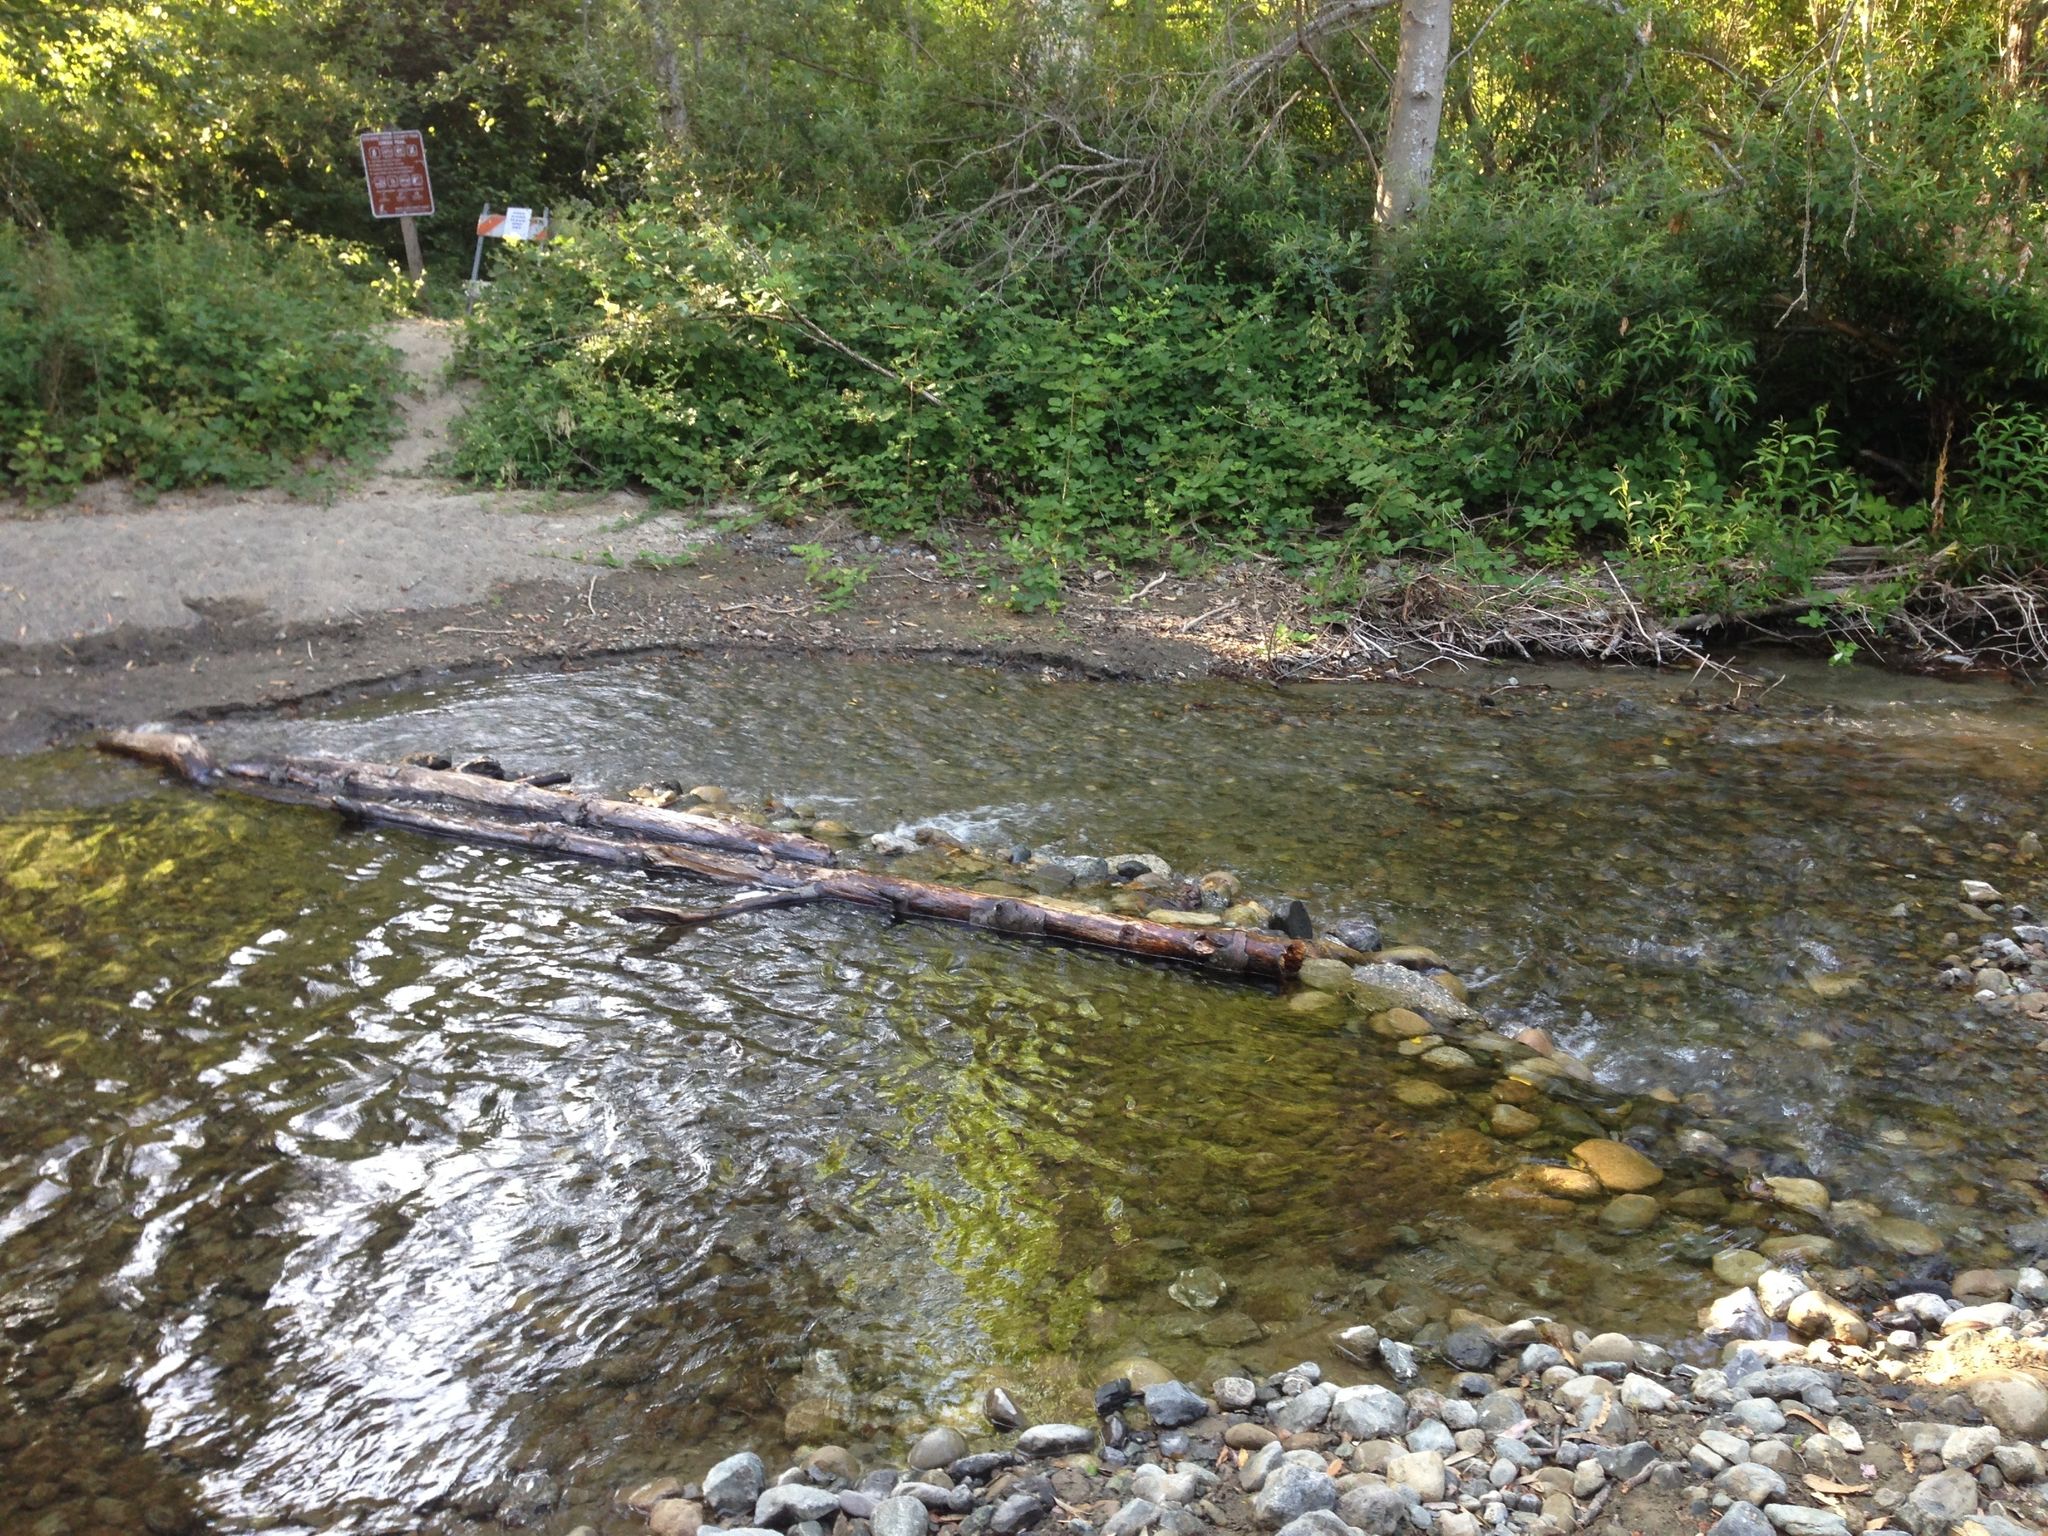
518,224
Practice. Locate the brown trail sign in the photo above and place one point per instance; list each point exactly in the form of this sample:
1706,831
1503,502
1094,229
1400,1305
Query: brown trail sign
395,169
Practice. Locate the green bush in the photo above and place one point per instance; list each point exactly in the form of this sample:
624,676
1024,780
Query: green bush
183,356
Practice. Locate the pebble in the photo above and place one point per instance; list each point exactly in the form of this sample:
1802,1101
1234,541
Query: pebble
1739,1266
789,1503
1399,1360
1234,1394
676,1517
1307,1410
1507,1120
1751,1483
1422,1471
1367,1413
1059,1439
1742,1520
735,1483
1290,1492
2016,1404
1819,1315
1630,1213
1808,1195
1804,1520
1620,1168
1000,1409
1170,1404
1944,1498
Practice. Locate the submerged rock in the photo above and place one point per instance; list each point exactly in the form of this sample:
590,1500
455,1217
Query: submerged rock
1618,1166
1381,986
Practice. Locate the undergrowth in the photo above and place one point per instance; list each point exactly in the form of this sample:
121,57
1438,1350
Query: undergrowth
1530,380
185,355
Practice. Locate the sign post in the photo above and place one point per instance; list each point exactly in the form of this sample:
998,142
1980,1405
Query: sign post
395,170
511,224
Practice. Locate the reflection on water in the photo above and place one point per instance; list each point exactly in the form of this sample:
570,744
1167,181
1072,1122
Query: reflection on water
354,1180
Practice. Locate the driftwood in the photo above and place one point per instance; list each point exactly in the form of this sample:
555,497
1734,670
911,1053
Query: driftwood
326,778
792,870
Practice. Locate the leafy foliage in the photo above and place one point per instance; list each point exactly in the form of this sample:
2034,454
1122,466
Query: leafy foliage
182,356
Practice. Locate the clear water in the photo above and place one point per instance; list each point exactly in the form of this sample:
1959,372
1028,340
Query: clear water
364,1182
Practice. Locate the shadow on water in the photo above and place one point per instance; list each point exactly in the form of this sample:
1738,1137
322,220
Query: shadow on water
354,1179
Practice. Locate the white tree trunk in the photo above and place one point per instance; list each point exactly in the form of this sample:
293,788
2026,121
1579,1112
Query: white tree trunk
1417,111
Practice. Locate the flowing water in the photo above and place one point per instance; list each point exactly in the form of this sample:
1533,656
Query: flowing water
355,1181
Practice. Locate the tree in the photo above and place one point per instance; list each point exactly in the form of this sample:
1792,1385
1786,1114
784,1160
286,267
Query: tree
1416,111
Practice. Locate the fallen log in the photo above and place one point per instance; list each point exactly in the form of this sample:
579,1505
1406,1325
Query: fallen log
323,779
549,821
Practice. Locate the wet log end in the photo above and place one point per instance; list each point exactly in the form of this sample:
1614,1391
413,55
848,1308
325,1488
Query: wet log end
175,750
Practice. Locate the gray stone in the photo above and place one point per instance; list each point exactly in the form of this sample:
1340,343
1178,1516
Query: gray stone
1432,1435
735,1483
1422,1471
1317,1522
1777,1289
1374,1413
1162,1487
1252,1475
1538,1358
1783,1381
1361,933
1624,1462
2016,1404
1019,1512
1399,1359
1501,1410
1738,1315
1058,1439
1968,1448
1803,1520
980,1466
1741,1520
1944,1498
1134,1517
1759,1415
1469,1349
1646,1396
899,1516
1376,1510
2020,1464
1291,1491
1199,1289
1235,1393
1751,1482
792,1502
1170,1404
1383,986
936,1447
1306,1411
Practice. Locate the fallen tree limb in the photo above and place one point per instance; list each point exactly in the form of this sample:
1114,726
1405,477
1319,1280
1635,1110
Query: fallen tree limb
547,821
323,779
696,917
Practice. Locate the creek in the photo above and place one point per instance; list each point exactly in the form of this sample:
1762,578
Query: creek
356,1181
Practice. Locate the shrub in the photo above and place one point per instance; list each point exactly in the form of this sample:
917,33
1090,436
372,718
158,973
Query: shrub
183,356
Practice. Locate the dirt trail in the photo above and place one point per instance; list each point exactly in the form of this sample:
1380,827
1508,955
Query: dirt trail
117,609
396,540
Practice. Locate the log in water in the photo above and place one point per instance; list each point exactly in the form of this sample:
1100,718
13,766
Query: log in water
473,808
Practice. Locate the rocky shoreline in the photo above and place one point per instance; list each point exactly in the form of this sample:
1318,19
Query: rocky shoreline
1925,1416
1815,1400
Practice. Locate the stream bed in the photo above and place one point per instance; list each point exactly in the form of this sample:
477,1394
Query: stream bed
352,1181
